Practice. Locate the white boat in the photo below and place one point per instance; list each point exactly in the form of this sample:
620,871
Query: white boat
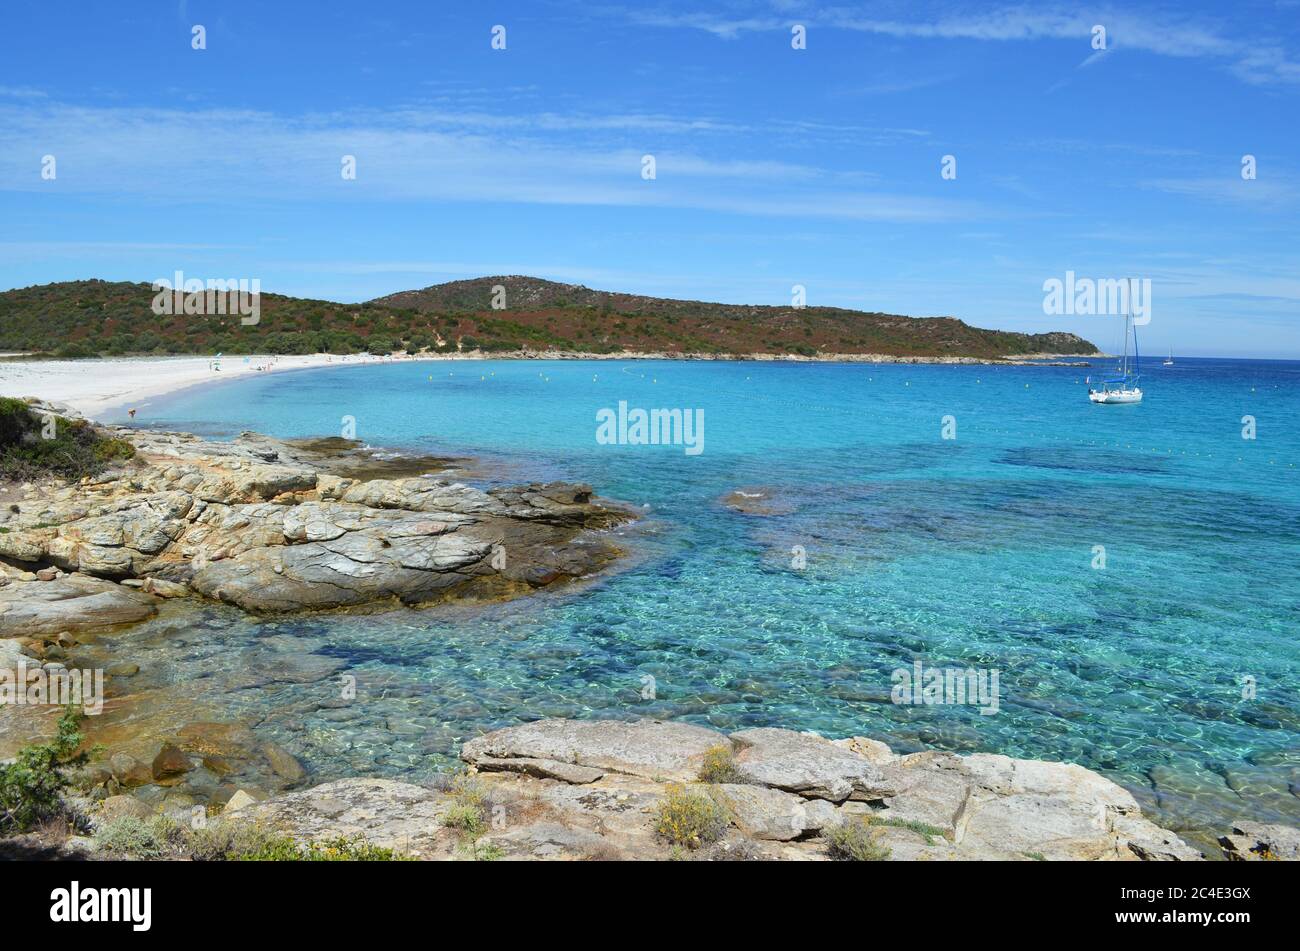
1121,395
1122,388
1169,360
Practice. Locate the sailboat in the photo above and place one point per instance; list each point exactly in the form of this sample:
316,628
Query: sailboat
1169,360
1122,388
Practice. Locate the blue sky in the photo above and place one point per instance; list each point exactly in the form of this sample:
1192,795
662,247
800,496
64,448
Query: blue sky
775,166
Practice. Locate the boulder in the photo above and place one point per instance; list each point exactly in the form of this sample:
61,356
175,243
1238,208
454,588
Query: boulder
170,763
240,800
771,814
285,765
72,603
129,771
118,807
809,765
649,748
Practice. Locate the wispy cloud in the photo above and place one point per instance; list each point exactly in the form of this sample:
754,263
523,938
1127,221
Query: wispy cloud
1258,58
227,156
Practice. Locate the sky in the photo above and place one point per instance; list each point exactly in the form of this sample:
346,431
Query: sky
773,166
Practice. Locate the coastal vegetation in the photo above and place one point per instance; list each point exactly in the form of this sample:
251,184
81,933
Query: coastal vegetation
77,319
161,837
690,819
36,444
32,786
854,840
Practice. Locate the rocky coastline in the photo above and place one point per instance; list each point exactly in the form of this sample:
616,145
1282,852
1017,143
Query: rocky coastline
624,790
272,526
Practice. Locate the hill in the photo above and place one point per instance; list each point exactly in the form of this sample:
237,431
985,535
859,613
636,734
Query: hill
88,318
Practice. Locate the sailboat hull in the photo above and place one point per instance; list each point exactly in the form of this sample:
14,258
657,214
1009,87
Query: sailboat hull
1133,395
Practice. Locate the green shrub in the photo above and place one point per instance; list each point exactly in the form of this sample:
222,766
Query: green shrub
30,787
141,838
74,448
466,819
719,766
855,841
691,819
468,811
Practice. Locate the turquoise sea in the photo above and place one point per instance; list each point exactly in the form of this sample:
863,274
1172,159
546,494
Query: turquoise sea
978,551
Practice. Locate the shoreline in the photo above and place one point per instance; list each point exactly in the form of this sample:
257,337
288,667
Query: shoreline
94,387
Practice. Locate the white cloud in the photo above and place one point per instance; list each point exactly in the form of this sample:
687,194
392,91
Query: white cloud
232,156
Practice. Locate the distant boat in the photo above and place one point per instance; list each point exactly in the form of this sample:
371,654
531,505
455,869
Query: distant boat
1122,388
1169,360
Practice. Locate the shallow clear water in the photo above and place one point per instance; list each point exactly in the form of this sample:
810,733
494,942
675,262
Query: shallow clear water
973,552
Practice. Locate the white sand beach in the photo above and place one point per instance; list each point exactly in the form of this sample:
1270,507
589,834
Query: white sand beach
91,387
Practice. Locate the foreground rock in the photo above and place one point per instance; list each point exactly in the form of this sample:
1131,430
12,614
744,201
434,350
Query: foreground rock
927,805
265,525
35,608
567,790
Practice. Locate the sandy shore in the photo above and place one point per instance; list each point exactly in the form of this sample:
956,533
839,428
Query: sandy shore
92,387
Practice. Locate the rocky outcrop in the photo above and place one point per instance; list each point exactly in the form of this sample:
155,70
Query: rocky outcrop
797,785
566,789
34,608
264,525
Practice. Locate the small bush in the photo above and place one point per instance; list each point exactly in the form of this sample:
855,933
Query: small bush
855,841
719,766
466,819
31,786
690,819
468,812
141,838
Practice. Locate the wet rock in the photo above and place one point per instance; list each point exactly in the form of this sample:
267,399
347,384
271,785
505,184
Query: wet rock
170,763
129,771
284,763
757,500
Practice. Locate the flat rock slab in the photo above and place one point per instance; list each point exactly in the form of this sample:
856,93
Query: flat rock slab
78,602
542,769
808,765
384,812
647,748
